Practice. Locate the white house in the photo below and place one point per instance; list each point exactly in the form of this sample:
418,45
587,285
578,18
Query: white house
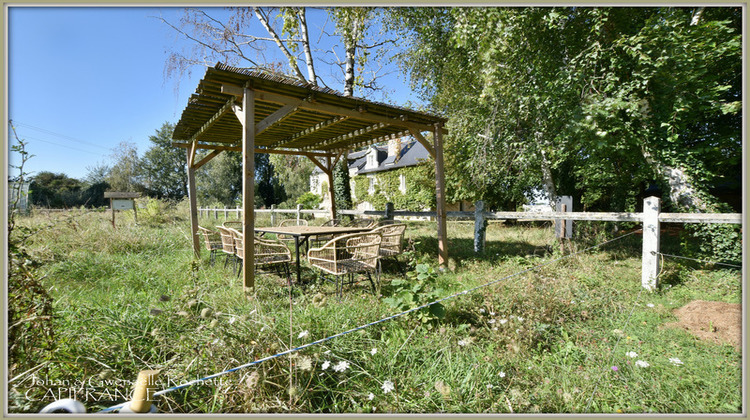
398,153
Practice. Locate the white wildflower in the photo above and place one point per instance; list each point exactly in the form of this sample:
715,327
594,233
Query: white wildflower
462,342
341,366
373,351
492,321
501,374
492,313
489,386
641,363
232,320
325,365
371,396
520,319
303,334
675,361
631,354
503,321
481,310
650,305
387,387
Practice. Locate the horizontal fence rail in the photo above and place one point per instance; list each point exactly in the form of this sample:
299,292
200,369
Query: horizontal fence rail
731,218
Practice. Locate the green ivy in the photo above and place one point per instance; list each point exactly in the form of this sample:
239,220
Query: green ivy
420,189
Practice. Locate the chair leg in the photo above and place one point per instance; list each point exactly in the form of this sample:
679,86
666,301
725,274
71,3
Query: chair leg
239,268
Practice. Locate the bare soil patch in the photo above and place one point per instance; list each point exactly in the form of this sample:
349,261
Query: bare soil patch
719,322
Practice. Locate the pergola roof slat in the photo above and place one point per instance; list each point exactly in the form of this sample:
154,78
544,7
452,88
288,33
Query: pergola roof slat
321,119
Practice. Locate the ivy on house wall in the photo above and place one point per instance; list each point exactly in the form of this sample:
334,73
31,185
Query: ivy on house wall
420,188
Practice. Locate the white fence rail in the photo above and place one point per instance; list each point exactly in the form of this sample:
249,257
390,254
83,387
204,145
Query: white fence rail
651,219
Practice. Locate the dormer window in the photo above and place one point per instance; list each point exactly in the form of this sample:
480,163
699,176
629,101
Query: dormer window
372,160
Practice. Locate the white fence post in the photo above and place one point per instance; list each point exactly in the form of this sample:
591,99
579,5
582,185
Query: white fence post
480,227
226,215
650,269
273,215
299,209
568,202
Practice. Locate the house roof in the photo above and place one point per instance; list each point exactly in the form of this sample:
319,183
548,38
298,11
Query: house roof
289,115
412,153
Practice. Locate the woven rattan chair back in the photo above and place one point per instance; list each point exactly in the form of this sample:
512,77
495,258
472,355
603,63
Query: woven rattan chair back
393,239
211,239
227,240
353,253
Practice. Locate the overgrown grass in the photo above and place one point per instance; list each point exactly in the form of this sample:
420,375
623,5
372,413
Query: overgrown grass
545,341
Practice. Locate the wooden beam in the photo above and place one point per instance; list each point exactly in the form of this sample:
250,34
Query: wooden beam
278,116
348,136
206,159
309,131
193,209
248,189
211,121
418,135
191,153
257,150
440,197
318,164
331,189
325,108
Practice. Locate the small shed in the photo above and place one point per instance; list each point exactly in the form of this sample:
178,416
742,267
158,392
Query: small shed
258,112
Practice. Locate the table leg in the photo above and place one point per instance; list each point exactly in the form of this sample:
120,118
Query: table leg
296,250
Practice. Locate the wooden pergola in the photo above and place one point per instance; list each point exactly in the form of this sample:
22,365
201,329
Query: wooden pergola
255,112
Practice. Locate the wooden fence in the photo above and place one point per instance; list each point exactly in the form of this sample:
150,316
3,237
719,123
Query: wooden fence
650,218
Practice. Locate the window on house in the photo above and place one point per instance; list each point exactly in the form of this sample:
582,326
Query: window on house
371,189
402,183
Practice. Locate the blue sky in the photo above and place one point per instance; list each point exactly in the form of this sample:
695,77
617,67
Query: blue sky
83,79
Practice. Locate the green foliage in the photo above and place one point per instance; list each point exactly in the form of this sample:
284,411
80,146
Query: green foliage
126,173
579,97
293,173
30,330
418,289
341,185
163,166
713,242
309,200
420,188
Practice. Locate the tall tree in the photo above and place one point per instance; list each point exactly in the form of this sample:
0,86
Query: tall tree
570,99
163,165
293,173
125,174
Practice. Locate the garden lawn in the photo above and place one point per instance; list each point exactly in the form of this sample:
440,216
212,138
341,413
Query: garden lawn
578,335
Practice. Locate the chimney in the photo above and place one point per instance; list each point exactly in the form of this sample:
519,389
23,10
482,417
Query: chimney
394,149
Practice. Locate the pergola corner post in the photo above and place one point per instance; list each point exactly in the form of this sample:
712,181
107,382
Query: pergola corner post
247,118
440,196
193,206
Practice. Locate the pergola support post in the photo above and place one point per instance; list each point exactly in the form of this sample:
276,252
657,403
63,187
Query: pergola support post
331,189
440,196
193,208
247,118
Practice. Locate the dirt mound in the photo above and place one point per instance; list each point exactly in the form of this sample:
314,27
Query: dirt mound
719,322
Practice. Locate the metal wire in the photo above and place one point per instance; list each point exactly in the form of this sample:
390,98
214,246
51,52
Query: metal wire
322,340
701,261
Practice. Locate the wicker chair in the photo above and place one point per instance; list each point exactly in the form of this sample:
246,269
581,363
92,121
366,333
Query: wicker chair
268,253
321,239
347,255
234,224
385,222
290,222
363,223
212,241
392,244
227,245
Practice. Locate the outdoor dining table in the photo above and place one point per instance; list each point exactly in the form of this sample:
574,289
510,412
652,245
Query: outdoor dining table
301,234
